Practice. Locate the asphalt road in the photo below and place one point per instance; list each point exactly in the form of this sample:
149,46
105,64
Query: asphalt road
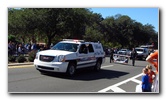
113,78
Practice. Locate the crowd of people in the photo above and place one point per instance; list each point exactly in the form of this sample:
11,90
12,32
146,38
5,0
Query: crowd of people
21,48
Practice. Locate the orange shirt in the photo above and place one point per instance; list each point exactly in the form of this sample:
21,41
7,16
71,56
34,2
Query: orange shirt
152,57
150,76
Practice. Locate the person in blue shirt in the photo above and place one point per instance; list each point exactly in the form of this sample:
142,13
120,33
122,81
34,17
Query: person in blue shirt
145,80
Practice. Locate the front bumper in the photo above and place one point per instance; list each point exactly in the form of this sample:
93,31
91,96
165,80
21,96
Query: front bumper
51,66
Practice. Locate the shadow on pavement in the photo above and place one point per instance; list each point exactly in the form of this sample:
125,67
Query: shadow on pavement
88,75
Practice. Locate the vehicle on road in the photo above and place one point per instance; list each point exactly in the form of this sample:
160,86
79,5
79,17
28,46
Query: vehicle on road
123,59
69,55
142,53
150,48
124,52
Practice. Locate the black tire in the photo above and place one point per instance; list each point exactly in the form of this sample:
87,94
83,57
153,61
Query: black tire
71,69
97,66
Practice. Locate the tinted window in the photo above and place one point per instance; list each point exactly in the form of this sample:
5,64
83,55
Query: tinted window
83,49
90,48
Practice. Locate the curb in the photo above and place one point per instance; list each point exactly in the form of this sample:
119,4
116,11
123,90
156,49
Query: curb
18,64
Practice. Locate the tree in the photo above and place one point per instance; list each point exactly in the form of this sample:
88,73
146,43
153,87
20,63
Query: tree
53,24
23,22
67,21
93,28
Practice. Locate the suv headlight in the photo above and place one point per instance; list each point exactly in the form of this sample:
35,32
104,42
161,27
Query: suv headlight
61,58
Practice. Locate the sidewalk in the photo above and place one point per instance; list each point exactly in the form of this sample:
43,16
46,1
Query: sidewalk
17,64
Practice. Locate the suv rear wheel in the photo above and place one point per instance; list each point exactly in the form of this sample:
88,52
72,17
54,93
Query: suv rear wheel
98,65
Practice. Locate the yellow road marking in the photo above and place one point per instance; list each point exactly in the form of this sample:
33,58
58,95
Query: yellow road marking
21,66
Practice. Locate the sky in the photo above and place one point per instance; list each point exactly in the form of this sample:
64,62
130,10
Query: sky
142,15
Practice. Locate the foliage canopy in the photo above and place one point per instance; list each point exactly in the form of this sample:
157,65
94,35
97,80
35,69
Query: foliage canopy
51,25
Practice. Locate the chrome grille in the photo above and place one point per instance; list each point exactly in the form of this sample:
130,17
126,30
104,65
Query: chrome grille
46,58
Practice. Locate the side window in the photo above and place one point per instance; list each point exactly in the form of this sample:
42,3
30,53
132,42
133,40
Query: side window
90,48
83,49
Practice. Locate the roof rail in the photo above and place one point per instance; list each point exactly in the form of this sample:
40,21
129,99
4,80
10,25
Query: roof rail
73,40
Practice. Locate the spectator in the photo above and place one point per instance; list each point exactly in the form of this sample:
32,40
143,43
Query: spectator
46,47
10,45
153,59
51,45
111,55
10,48
33,47
151,75
29,47
20,49
133,56
145,80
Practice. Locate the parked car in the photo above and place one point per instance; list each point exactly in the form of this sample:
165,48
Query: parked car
124,52
148,47
142,53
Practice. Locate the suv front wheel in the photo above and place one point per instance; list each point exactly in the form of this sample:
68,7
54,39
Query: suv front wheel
71,69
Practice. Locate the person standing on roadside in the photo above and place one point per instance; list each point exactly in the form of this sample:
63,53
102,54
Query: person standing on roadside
20,49
151,75
133,56
111,55
145,80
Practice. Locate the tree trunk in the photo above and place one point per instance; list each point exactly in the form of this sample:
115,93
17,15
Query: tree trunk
49,41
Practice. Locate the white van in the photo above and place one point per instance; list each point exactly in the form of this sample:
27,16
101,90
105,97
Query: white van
69,55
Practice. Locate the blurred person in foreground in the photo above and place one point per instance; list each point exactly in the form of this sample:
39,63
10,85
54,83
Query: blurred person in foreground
153,59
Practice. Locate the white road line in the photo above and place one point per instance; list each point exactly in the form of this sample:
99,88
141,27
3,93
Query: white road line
136,81
117,89
120,83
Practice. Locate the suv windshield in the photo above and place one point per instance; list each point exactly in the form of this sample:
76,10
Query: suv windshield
65,46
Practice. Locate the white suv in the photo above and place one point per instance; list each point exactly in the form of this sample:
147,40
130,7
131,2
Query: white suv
69,55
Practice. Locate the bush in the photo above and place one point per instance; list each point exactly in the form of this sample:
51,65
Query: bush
11,58
32,55
21,59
